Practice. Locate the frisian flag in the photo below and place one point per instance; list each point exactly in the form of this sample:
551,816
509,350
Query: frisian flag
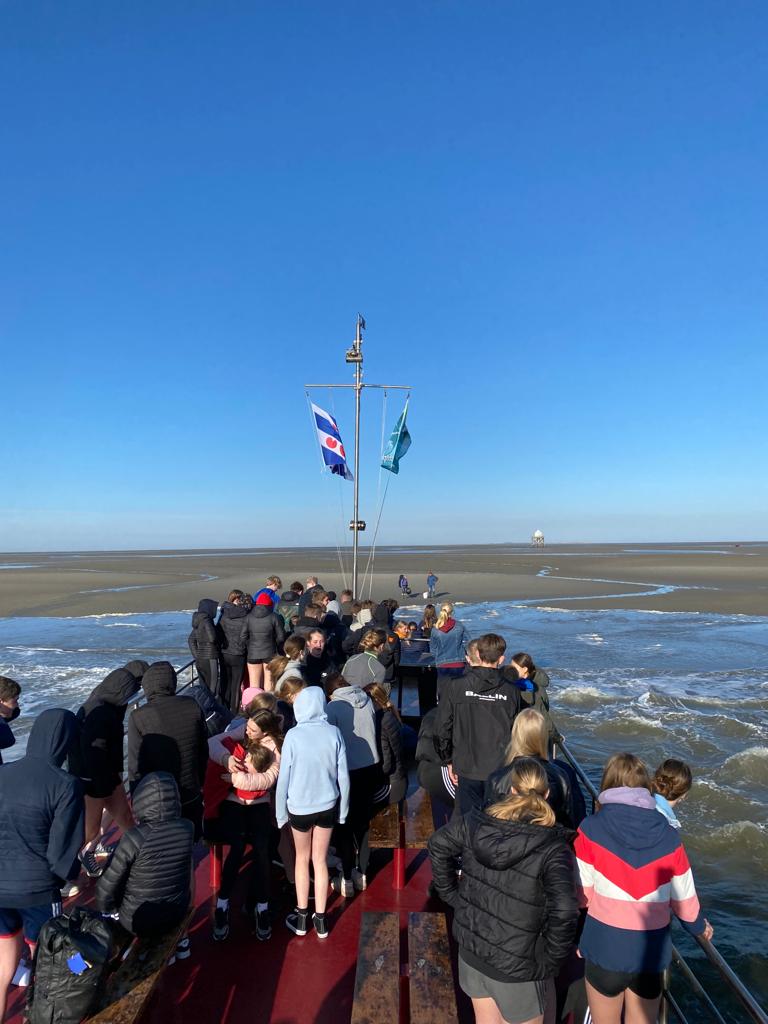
398,444
329,437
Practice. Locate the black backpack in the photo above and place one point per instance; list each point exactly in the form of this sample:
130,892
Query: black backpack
216,716
73,954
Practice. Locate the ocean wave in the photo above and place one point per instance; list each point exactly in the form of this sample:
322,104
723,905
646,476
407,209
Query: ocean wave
124,625
745,839
582,695
750,765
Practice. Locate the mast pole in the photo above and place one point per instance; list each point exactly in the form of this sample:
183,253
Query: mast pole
358,392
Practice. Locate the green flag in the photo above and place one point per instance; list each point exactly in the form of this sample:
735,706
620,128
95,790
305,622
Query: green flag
398,444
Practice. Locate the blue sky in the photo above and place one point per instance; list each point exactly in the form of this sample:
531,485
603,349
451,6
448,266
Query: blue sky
553,217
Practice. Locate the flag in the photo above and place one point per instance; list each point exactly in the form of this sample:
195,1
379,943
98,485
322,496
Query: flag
329,437
398,444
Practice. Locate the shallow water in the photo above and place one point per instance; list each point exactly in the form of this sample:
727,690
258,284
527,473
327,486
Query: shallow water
659,684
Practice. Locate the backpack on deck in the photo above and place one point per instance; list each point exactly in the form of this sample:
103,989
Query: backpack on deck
216,716
71,967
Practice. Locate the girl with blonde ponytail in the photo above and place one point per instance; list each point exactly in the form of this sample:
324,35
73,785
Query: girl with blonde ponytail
447,645
515,906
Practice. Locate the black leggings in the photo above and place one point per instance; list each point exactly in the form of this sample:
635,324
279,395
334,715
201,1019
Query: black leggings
232,672
245,825
351,838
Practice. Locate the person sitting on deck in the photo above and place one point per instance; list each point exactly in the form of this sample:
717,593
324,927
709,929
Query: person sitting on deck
515,906
474,720
672,781
148,883
529,739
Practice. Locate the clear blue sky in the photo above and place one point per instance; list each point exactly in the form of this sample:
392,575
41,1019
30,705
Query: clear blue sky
553,216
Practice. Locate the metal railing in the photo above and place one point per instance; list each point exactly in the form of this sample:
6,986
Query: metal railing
726,973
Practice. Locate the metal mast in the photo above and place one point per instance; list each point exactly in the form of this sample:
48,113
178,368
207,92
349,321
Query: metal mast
355,355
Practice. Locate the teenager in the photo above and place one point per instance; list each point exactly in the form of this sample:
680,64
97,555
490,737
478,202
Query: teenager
474,721
269,595
9,710
351,710
515,907
288,605
447,642
389,742
313,794
634,875
233,629
264,634
205,645
530,738
672,781
432,774
365,668
534,682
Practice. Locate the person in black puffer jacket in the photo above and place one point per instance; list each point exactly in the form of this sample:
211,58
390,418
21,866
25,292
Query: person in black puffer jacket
264,634
205,644
530,738
233,630
515,905
98,759
149,879
168,734
389,740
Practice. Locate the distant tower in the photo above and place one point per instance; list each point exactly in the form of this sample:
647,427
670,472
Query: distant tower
537,539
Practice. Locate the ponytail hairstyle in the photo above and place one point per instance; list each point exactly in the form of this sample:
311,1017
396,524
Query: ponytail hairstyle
625,770
530,736
269,723
527,800
373,638
291,686
379,697
430,617
523,660
333,683
446,611
276,666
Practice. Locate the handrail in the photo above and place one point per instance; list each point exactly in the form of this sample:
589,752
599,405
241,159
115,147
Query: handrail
727,974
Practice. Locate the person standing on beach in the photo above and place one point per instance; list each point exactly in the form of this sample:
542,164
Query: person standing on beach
432,581
474,721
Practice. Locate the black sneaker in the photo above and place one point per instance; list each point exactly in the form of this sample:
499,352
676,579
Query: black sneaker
220,924
297,921
321,926
263,925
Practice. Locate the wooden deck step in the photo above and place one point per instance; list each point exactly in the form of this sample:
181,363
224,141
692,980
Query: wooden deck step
377,980
432,995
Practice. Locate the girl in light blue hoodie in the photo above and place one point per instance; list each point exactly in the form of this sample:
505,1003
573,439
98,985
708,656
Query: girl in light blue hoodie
313,794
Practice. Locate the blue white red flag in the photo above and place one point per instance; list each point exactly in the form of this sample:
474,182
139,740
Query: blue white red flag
331,446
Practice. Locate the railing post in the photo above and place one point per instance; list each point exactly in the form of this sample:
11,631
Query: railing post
663,1005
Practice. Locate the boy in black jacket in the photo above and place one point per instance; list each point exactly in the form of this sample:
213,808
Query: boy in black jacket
474,722
148,882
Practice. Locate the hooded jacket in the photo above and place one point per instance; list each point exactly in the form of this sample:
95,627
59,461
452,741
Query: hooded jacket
264,633
288,609
634,875
148,880
203,640
313,768
363,669
41,815
389,737
233,630
308,597
351,710
474,721
447,644
515,905
565,796
98,760
168,734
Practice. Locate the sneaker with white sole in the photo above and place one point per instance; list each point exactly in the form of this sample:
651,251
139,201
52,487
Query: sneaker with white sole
220,924
94,862
69,889
359,880
321,925
297,921
23,975
343,886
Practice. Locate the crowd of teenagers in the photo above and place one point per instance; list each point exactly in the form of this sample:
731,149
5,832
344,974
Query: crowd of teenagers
289,746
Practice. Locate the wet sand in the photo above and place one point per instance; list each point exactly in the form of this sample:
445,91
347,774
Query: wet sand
719,578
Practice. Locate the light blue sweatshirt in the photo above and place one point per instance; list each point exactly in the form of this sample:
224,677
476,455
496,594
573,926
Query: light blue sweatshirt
663,807
313,765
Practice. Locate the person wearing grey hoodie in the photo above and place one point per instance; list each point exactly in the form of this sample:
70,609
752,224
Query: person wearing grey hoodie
353,712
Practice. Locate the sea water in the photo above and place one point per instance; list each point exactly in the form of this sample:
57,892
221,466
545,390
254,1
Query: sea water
659,684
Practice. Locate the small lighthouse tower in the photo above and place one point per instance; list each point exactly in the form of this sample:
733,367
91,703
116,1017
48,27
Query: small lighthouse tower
537,540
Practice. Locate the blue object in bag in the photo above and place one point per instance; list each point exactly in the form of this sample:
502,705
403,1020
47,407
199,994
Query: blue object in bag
77,964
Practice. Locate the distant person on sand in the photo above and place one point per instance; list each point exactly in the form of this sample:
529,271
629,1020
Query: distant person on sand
432,581
403,584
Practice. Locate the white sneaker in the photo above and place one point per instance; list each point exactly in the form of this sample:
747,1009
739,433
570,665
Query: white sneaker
359,881
23,975
343,886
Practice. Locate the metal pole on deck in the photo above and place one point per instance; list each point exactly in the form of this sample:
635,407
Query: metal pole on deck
358,392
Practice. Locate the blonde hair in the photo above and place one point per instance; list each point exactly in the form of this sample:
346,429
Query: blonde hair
290,686
379,697
373,638
528,802
530,736
625,770
446,611
267,701
276,666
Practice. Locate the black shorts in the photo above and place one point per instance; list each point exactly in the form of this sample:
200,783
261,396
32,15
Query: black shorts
320,819
259,661
646,984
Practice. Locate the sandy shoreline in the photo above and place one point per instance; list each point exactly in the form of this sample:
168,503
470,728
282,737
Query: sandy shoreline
718,578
